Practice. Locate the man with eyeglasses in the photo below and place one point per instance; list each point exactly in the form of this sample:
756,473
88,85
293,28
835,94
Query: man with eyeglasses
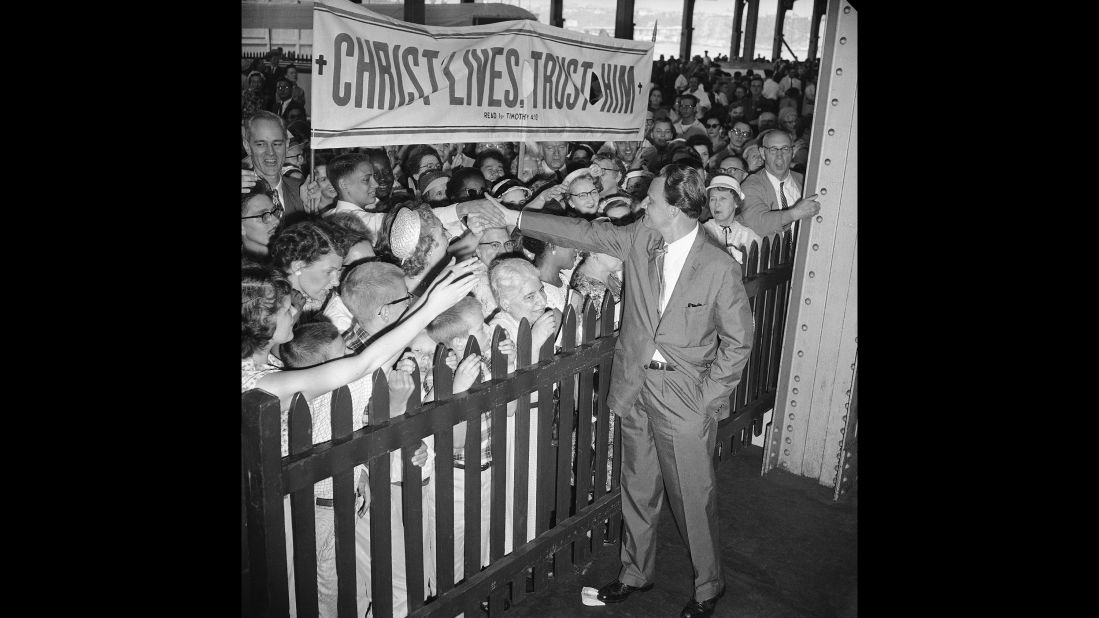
688,124
376,294
732,165
265,141
772,197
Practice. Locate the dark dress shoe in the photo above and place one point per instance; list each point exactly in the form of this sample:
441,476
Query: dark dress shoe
616,591
705,609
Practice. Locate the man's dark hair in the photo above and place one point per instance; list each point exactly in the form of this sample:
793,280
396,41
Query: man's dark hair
690,98
700,140
491,153
670,124
684,188
458,179
342,166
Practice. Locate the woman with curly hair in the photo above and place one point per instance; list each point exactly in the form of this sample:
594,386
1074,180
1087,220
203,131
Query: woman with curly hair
267,319
310,255
417,160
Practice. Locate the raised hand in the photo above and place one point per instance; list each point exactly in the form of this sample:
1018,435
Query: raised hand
248,180
806,207
453,284
419,456
400,386
451,360
544,328
509,218
483,209
310,193
467,373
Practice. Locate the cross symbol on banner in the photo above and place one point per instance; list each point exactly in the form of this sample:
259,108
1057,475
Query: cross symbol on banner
320,61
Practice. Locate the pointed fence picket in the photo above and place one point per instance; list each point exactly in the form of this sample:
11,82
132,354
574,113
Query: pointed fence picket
567,428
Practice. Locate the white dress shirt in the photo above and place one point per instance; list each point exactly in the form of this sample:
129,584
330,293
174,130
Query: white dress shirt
674,260
789,187
372,220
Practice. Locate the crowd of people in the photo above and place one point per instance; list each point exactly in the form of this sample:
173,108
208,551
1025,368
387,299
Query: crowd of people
359,259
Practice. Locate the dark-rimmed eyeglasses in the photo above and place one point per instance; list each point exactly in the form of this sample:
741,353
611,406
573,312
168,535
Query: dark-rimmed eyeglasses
265,217
508,246
594,193
747,133
732,171
402,299
774,150
713,126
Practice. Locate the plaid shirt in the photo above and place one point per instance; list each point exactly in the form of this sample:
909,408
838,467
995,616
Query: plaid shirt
355,337
486,444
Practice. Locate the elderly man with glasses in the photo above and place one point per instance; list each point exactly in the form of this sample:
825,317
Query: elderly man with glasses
772,196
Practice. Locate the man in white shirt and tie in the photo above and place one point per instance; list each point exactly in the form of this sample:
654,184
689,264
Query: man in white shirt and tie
772,196
265,141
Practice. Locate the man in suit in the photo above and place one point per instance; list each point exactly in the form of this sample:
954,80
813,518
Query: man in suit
685,338
265,141
772,196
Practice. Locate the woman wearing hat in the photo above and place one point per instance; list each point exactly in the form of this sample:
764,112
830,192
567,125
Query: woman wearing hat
416,237
725,199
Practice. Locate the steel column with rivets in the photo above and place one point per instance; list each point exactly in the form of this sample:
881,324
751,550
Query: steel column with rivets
738,29
687,31
750,30
806,436
814,26
623,20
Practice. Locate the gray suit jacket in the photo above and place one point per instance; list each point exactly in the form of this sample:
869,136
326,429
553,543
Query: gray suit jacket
705,330
291,191
761,203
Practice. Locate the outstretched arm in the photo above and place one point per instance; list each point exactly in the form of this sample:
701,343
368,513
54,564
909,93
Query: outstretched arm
598,236
315,381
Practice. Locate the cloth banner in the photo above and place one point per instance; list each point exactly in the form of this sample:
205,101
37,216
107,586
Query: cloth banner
379,81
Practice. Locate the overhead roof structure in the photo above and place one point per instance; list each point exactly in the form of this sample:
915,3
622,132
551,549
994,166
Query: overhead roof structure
300,16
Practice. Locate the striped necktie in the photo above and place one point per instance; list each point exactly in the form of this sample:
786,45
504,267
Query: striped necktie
782,194
276,199
660,253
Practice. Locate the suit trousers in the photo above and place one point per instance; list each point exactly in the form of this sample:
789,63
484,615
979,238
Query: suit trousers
667,447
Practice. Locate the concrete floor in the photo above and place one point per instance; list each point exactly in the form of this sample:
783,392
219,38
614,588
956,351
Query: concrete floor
788,551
